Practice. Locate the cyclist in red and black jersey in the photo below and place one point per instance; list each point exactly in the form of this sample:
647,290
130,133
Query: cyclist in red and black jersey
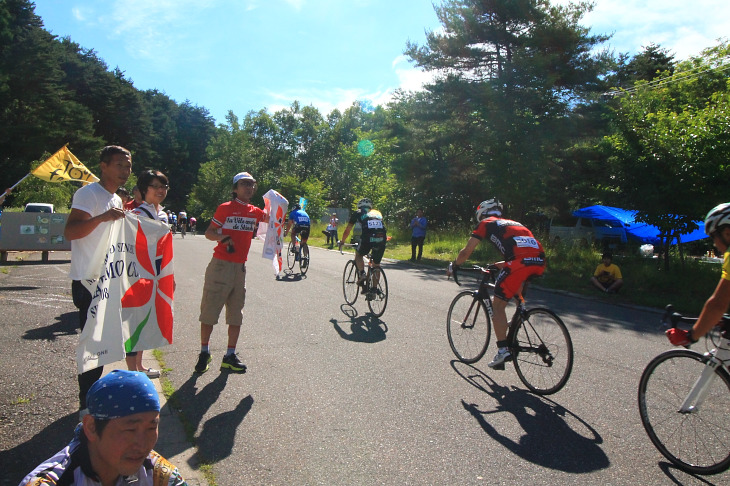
523,257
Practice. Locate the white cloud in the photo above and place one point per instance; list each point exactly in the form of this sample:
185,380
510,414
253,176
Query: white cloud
684,28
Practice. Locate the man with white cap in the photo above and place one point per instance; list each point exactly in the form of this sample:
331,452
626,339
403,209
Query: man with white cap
113,444
233,226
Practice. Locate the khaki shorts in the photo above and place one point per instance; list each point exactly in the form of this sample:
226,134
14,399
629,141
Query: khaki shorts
225,284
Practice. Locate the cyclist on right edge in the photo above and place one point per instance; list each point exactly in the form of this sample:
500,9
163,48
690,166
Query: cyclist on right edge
523,257
717,226
373,237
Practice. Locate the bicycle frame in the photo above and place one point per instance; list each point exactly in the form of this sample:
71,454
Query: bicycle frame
701,387
718,357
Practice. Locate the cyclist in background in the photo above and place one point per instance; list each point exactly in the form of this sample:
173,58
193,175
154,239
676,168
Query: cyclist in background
523,257
193,224
374,237
717,226
182,221
300,219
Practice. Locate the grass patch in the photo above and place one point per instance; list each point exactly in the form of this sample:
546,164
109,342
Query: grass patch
207,469
22,400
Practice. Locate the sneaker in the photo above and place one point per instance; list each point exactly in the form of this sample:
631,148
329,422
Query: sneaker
152,373
231,362
502,356
294,250
203,360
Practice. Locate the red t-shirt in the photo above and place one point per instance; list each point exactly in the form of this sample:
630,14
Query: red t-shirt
511,238
237,220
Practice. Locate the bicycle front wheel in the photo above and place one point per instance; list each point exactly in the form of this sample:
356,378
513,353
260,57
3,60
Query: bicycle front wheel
349,282
378,294
304,259
468,327
542,352
696,440
290,256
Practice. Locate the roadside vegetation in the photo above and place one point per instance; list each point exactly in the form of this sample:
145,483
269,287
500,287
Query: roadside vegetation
686,284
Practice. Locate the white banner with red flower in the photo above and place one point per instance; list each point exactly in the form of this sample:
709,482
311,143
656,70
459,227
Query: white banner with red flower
275,205
131,307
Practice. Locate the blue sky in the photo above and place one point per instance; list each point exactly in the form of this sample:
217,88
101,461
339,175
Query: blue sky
244,55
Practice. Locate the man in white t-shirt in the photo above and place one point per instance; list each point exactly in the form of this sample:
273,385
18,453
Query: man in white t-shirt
92,208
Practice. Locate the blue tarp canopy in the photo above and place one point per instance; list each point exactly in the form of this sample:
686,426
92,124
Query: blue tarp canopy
642,232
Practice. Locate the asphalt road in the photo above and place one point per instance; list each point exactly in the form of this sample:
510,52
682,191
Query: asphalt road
335,397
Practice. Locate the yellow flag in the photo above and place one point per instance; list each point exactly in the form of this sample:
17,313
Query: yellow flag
64,166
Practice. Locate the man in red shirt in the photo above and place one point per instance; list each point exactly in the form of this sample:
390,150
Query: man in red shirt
233,227
523,257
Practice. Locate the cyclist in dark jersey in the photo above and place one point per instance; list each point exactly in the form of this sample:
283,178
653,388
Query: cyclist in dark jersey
523,257
374,236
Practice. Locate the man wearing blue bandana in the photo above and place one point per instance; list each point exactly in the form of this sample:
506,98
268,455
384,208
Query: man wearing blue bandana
112,446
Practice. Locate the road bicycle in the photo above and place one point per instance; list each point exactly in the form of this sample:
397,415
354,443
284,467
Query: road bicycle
684,399
183,229
539,342
298,253
375,286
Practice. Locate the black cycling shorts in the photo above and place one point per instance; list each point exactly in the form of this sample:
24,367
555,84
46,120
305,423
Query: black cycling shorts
302,231
376,243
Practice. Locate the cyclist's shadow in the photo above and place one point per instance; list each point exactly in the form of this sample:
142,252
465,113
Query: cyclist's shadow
289,276
363,329
551,437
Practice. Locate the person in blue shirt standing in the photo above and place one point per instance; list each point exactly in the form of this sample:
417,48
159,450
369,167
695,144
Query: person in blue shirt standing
418,225
300,219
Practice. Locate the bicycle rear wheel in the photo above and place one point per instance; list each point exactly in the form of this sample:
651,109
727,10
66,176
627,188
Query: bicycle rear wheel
379,300
697,441
290,256
542,352
468,327
303,258
350,289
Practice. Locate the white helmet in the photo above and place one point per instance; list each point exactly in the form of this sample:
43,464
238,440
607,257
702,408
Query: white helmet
718,216
365,203
489,207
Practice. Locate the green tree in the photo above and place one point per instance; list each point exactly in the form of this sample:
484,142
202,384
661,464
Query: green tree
670,149
513,72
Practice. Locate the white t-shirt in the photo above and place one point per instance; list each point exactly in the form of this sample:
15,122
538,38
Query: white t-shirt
94,200
157,214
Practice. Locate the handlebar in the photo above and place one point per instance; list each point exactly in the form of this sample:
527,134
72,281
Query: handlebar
491,270
670,319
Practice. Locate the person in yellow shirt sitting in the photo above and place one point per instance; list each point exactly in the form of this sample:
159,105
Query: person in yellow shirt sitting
607,276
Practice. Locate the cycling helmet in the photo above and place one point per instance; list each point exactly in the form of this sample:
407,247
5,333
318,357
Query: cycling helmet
365,203
718,216
489,207
297,207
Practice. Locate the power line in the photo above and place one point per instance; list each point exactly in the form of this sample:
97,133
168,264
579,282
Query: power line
723,65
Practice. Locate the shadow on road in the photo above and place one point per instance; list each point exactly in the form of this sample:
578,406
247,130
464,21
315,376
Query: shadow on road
363,329
290,276
553,436
217,435
66,324
21,459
